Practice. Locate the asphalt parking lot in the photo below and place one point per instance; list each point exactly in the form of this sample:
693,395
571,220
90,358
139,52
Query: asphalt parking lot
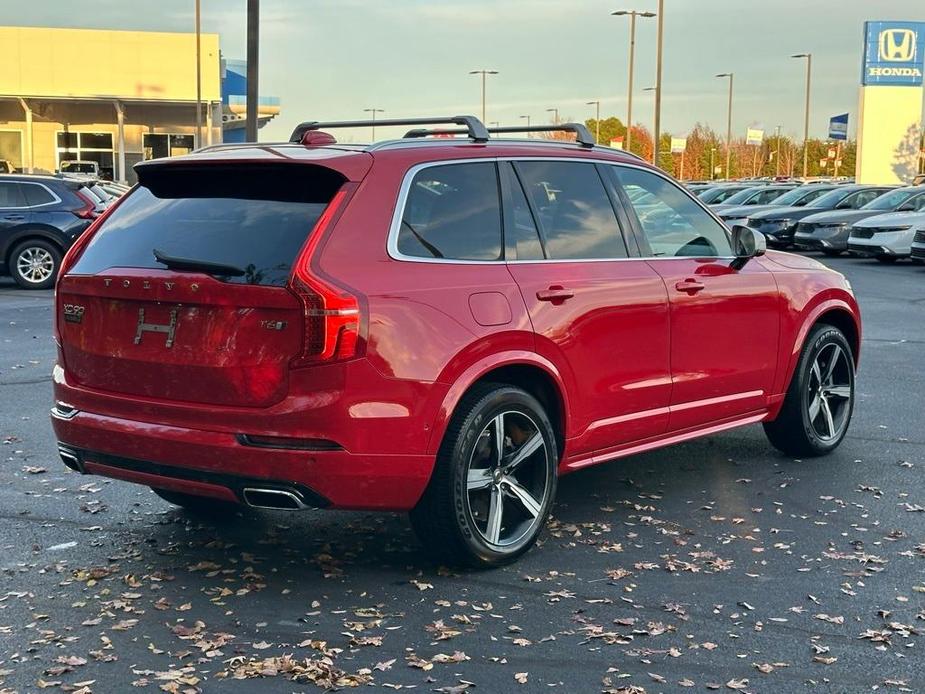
717,564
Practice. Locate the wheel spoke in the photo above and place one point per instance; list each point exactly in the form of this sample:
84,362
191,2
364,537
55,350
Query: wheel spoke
526,498
817,373
827,413
528,448
833,361
814,408
843,392
499,438
478,479
495,512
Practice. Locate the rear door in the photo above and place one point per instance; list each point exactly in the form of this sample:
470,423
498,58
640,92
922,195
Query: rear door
185,330
13,212
724,321
599,314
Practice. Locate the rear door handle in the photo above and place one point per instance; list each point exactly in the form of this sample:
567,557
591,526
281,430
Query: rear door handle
689,286
556,294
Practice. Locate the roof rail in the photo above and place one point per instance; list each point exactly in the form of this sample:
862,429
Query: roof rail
473,126
582,135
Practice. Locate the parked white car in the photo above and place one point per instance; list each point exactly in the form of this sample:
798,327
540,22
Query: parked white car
886,237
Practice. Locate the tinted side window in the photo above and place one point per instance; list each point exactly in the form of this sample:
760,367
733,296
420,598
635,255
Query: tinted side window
674,225
521,237
453,211
575,214
37,195
10,195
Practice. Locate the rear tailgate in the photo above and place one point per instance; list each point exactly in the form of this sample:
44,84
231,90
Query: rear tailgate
224,333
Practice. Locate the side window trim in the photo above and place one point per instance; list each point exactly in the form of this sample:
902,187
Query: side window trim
54,201
401,203
508,179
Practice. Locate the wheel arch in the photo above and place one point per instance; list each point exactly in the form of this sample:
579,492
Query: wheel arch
30,234
836,312
526,370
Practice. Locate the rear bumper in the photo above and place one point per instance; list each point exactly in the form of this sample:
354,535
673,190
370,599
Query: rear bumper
217,464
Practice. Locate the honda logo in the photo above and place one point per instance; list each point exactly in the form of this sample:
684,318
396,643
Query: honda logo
897,45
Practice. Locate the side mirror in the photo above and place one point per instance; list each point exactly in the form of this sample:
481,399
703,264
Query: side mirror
746,244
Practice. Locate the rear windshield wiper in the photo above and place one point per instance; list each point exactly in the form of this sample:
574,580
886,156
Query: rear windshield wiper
192,265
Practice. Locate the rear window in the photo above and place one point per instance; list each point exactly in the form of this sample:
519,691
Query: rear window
252,218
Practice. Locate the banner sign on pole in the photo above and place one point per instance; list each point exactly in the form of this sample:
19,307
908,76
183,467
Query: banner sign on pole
678,144
617,142
754,136
838,127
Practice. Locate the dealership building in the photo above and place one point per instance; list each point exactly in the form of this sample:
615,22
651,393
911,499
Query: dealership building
114,97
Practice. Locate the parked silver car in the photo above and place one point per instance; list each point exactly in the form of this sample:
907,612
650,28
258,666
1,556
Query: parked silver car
886,237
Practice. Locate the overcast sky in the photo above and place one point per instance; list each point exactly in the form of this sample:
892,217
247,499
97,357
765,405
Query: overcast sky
330,59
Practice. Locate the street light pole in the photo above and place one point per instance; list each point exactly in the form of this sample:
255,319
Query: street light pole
728,123
527,118
484,74
629,90
809,73
777,155
374,111
253,54
655,146
597,119
556,116
658,75
198,80
712,165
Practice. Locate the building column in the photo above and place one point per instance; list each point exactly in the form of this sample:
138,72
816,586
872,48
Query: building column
209,123
29,162
120,120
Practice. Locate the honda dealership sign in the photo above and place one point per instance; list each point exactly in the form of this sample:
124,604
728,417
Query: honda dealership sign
894,53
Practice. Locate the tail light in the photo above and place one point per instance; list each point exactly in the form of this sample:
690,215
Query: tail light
88,211
331,313
77,248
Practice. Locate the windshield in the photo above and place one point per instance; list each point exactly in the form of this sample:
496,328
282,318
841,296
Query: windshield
741,197
78,167
890,201
832,198
719,194
793,197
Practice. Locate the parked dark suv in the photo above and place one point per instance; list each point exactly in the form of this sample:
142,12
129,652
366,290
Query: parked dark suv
40,217
443,326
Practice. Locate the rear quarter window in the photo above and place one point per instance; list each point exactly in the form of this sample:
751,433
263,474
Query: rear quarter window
254,218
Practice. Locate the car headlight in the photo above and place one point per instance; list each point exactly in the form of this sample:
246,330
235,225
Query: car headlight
896,228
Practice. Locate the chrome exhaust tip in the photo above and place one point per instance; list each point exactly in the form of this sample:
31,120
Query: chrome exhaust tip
273,499
70,459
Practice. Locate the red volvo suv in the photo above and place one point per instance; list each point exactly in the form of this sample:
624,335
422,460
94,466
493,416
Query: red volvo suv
437,325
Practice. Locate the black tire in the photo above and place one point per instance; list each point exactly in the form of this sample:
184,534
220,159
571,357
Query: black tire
798,432
449,517
44,272
887,259
831,252
200,505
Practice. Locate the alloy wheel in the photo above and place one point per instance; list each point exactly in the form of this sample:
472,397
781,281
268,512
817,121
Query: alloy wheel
829,391
508,479
35,264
